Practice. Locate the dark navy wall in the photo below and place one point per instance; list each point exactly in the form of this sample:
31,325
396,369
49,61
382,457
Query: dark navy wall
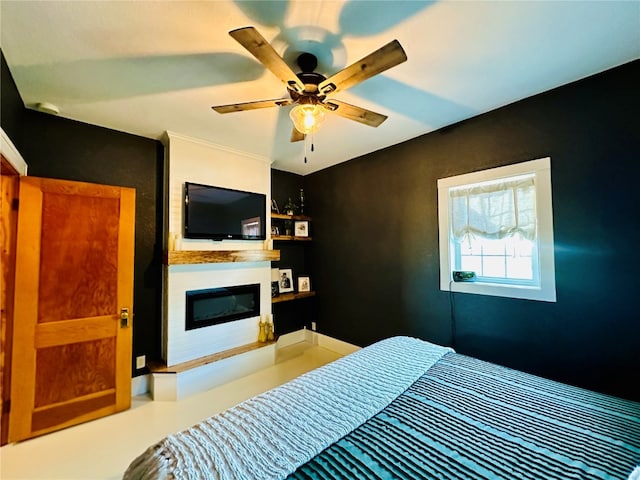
376,237
55,147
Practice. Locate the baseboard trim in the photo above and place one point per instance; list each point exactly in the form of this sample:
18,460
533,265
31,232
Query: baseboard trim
291,338
333,344
140,385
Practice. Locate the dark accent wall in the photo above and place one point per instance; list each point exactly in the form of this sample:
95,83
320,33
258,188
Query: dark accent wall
55,147
376,237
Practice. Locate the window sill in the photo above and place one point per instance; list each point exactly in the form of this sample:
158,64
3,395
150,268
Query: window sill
501,290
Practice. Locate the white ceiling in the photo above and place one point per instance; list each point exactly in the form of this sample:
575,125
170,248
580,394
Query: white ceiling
146,67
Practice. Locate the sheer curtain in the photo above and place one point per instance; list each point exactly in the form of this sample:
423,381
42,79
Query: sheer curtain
494,210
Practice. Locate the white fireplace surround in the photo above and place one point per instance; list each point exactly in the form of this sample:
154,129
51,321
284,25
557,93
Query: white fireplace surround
192,160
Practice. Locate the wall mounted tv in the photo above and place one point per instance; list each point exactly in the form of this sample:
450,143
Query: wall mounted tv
218,213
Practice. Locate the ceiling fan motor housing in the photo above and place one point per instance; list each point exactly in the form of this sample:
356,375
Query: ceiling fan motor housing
307,62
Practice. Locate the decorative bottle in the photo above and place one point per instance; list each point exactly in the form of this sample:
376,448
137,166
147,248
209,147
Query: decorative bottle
270,336
290,207
262,335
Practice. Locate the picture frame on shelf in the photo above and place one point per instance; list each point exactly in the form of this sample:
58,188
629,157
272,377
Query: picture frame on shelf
274,206
301,228
275,230
285,280
275,282
304,284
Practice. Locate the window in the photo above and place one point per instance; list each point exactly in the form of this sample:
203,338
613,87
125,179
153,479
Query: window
498,223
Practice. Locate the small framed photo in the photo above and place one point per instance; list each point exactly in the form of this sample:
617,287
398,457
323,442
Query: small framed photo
304,284
275,282
285,282
275,230
274,206
301,228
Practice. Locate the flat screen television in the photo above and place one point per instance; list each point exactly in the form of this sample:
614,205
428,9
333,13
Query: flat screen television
218,213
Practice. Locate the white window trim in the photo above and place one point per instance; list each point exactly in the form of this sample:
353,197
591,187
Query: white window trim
544,212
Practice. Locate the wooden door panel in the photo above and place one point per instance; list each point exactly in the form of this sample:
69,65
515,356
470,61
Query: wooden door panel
55,417
74,272
65,372
82,247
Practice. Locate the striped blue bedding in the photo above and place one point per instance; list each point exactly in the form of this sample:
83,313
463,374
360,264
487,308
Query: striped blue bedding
466,418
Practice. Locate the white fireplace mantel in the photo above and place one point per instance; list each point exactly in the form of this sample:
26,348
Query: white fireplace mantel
192,160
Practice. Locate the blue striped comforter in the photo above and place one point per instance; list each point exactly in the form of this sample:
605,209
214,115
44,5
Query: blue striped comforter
466,418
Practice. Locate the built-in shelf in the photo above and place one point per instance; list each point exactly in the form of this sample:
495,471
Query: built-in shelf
184,257
282,216
287,297
290,237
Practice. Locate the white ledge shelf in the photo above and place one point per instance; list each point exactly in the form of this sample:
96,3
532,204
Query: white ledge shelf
186,257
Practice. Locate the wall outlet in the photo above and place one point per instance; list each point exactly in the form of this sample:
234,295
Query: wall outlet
141,361
313,326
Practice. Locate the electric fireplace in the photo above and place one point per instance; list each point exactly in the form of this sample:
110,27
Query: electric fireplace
214,306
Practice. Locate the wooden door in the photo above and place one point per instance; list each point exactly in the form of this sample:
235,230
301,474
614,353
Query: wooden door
71,358
9,181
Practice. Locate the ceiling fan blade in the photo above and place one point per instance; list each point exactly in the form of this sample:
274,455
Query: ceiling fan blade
240,107
296,136
382,59
362,115
251,39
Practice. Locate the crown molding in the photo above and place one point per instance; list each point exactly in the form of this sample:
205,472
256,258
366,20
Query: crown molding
168,135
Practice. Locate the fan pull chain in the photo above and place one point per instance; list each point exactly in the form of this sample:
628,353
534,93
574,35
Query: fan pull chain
308,145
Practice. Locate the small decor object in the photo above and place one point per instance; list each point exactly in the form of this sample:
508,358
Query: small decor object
290,207
301,228
173,239
304,284
275,230
270,329
301,201
274,206
288,225
262,334
275,282
286,280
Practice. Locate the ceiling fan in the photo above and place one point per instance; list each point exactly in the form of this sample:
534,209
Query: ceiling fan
310,91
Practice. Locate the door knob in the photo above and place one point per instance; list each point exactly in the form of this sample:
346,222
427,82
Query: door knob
124,317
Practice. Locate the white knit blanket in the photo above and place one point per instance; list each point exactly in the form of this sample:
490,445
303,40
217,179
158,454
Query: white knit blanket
272,434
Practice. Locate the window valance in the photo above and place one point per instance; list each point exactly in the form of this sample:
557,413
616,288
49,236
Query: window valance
495,210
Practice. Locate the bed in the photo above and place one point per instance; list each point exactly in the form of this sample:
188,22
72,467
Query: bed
405,408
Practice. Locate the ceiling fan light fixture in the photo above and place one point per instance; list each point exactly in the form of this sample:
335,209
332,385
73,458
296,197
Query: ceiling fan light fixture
307,118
